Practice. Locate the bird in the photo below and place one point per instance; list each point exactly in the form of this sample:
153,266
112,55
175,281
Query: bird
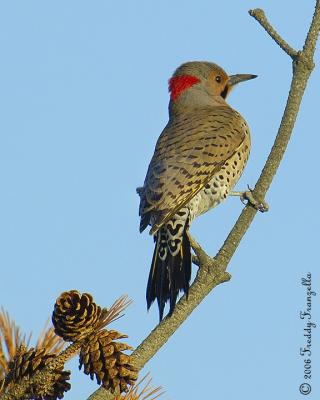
198,158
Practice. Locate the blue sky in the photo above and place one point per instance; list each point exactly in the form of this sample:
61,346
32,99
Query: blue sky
83,98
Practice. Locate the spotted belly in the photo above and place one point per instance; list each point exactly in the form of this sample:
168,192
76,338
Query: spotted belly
219,187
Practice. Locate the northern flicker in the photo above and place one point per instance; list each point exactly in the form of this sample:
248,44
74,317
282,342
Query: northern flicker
198,159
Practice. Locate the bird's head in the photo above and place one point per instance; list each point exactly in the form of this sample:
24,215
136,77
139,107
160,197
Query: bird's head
200,83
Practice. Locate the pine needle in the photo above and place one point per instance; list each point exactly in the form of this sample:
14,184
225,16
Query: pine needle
148,392
49,340
114,311
10,339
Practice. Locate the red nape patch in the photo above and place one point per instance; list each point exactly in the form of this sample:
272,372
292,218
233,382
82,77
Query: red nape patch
178,84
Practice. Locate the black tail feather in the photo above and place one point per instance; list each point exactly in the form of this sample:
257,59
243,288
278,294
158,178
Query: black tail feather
151,286
170,276
187,262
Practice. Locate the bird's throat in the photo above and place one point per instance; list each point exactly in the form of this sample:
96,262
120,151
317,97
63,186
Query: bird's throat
179,84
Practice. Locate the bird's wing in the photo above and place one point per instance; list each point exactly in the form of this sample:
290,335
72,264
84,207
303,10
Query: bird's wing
190,150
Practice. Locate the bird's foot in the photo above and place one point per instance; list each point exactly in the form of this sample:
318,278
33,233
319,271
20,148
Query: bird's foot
207,263
247,197
200,258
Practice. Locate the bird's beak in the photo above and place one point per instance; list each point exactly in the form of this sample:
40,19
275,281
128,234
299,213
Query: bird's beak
235,79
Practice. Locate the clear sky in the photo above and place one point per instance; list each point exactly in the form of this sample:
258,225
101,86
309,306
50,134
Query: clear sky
83,98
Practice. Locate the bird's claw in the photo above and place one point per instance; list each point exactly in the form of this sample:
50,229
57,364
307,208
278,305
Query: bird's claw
247,197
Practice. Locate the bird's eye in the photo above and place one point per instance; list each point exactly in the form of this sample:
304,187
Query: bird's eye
218,78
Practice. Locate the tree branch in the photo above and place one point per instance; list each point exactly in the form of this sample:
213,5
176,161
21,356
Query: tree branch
260,16
212,271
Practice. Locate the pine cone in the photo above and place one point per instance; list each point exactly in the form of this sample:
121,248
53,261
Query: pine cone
104,359
55,387
75,315
27,362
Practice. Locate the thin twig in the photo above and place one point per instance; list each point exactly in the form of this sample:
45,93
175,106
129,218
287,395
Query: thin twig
312,36
260,16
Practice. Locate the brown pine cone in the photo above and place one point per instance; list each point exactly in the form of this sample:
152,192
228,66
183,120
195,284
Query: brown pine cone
54,387
104,359
75,315
26,363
